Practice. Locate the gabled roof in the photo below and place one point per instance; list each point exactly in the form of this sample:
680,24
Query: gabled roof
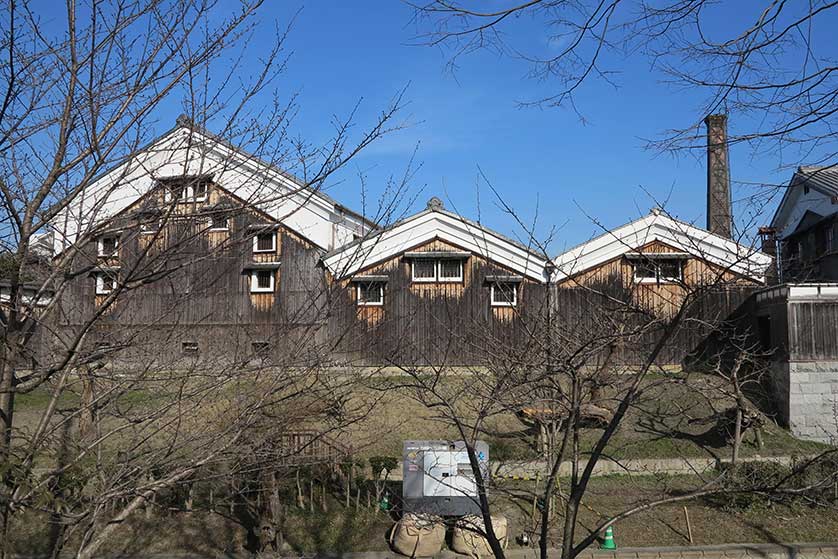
434,223
188,149
657,226
820,179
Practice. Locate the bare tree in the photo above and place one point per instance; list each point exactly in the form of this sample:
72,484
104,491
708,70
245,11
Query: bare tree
776,68
81,97
592,346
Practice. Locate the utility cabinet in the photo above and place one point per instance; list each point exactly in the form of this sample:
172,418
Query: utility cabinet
438,477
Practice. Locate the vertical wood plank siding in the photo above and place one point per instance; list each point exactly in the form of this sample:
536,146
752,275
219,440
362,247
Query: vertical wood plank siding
202,295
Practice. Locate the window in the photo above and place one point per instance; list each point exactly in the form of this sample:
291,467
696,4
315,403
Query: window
450,270
645,270
265,242
504,294
188,347
669,270
108,246
262,281
431,270
370,294
260,349
200,192
150,225
219,222
658,271
192,192
105,283
424,270
830,238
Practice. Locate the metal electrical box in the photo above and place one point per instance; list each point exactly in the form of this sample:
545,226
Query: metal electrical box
438,478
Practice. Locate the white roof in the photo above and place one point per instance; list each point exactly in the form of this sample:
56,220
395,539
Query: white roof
657,226
429,225
186,150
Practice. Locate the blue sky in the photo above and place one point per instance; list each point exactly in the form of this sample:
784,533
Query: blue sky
537,158
544,162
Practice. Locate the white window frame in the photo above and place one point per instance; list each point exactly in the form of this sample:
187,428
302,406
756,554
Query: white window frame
449,279
187,193
226,224
424,280
100,246
189,347
265,251
514,302
100,283
658,277
362,303
254,281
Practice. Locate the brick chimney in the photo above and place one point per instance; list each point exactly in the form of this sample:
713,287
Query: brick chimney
719,215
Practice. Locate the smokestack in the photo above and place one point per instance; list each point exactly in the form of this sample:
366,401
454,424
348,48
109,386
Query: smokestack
719,215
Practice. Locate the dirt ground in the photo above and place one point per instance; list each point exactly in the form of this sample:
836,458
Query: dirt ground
342,530
674,418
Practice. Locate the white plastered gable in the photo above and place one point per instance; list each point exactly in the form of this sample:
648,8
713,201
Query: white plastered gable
657,226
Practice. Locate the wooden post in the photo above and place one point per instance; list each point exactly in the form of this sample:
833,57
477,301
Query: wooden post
689,528
311,494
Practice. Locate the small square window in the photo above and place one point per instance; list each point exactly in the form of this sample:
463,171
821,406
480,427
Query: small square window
262,281
105,283
504,294
450,270
645,270
265,242
370,294
200,192
219,222
149,225
108,246
424,270
670,270
260,349
189,347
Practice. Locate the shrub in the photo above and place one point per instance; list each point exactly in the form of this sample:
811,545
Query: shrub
750,484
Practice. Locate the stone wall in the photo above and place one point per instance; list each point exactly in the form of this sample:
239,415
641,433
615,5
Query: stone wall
812,398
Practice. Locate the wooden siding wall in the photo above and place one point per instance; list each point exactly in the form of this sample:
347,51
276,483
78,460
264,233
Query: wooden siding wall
454,323
813,331
204,297
449,323
202,290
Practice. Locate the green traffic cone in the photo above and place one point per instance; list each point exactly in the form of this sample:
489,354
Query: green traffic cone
608,542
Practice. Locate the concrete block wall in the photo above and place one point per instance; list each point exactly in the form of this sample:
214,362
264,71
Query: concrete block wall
812,398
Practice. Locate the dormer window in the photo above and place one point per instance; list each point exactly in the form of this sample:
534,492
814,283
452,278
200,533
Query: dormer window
658,267
107,246
265,242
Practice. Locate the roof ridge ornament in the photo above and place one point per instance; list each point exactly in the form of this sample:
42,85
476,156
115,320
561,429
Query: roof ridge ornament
183,120
435,204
